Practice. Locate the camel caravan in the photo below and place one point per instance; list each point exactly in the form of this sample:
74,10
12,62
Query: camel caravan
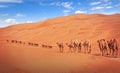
107,48
28,43
76,46
22,43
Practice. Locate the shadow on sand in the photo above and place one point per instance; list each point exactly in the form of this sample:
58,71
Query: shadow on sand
97,54
109,56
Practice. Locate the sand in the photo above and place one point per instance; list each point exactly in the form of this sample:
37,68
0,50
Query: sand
20,58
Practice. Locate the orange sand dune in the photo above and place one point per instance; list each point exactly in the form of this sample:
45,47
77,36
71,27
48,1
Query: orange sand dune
19,58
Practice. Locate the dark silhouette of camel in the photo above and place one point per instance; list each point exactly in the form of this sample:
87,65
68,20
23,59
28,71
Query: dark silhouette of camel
100,46
44,46
20,42
12,41
30,44
61,47
103,47
113,47
87,47
77,45
110,46
49,46
36,44
71,47
7,40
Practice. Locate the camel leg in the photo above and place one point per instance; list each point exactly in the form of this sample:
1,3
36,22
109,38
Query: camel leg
110,51
102,51
60,50
75,49
113,52
116,53
84,49
106,51
79,49
69,49
87,49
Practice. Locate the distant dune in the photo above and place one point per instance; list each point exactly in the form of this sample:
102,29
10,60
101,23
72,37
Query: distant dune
23,58
78,26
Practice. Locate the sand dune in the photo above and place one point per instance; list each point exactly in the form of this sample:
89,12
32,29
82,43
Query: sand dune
17,58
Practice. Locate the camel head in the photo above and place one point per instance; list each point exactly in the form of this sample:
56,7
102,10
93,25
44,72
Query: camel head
103,39
98,41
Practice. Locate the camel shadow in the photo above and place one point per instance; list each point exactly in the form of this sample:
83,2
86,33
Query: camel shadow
108,56
97,54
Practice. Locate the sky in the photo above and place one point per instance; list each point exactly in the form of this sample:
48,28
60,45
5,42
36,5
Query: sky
29,11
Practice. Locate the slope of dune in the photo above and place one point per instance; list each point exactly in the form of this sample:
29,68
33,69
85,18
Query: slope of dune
82,26
16,58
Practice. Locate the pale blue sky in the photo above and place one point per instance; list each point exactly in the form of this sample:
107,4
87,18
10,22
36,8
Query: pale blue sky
22,11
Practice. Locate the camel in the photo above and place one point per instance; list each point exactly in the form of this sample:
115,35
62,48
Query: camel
30,44
12,41
100,46
20,42
44,46
16,41
49,46
36,44
61,47
77,45
113,47
74,45
103,47
71,46
87,47
7,40
110,46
